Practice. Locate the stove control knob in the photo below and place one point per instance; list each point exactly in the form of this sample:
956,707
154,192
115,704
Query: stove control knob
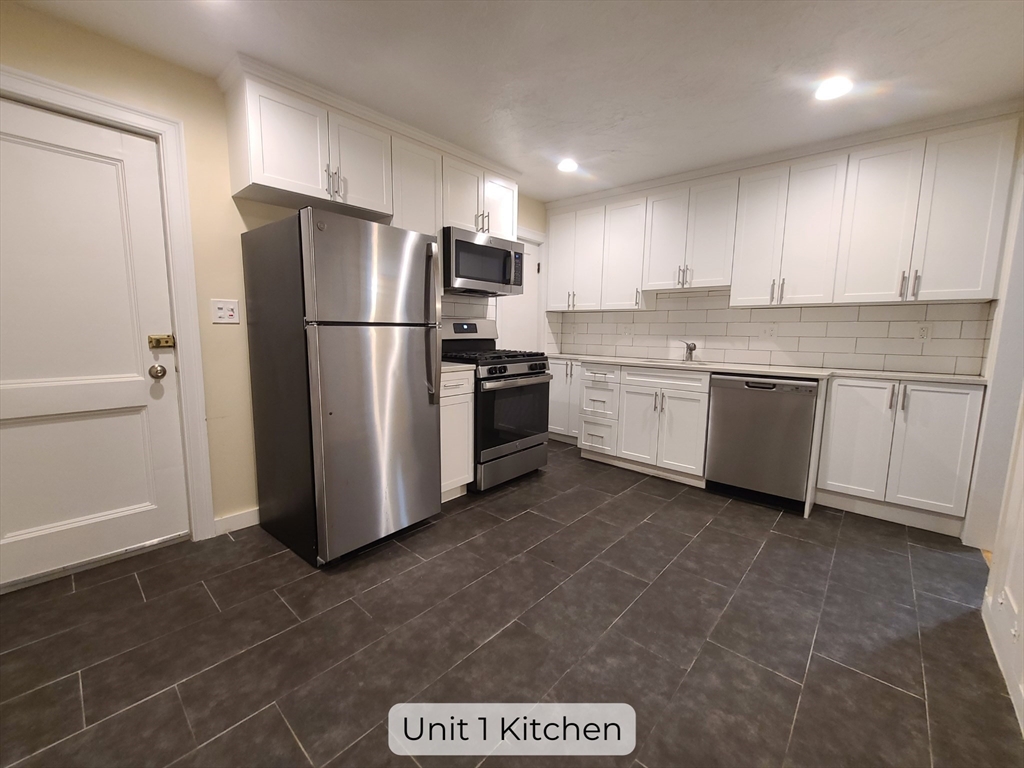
492,370
503,369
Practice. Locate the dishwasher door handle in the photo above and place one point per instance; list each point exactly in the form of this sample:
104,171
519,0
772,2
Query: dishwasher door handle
758,385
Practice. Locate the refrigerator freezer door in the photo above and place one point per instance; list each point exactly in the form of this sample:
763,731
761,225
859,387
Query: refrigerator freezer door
361,272
377,451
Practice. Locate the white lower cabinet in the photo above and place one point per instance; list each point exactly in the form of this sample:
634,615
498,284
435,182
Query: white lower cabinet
904,442
599,399
575,385
682,431
564,397
638,421
598,434
456,441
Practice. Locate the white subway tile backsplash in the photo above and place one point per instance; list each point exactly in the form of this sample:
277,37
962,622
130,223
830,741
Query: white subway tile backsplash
915,312
854,362
829,314
869,337
775,315
858,329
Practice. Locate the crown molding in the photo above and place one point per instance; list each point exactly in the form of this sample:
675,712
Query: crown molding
244,66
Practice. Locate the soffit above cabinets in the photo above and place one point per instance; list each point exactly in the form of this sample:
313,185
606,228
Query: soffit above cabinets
631,91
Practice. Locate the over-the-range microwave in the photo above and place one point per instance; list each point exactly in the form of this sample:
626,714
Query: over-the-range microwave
481,264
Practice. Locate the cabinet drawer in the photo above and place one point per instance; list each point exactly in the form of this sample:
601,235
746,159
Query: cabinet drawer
598,434
599,399
456,383
599,372
667,378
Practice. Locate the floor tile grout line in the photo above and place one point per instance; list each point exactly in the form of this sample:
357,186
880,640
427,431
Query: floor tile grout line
215,603
962,555
752,661
940,597
814,640
292,732
924,678
872,677
279,597
188,721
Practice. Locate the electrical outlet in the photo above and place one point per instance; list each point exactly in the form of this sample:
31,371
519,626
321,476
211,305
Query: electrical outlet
924,332
224,311
768,331
627,329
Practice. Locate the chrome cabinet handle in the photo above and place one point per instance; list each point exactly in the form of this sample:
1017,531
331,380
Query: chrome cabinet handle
917,284
655,402
906,393
892,397
771,293
903,284
574,299
329,188
476,226
568,300
637,297
337,182
487,219
687,276
452,386
782,289
679,276
662,402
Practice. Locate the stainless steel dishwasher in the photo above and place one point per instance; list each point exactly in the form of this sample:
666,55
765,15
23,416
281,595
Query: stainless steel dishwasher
759,433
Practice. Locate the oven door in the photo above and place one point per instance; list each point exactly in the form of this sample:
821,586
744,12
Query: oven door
475,262
511,415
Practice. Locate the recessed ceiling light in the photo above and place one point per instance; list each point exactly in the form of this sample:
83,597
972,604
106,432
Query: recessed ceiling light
568,165
833,88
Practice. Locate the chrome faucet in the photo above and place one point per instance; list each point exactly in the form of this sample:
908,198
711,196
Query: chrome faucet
690,347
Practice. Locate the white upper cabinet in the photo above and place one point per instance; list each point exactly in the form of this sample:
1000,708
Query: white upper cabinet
463,194
587,257
416,171
857,437
561,254
501,206
879,213
665,241
962,213
361,163
710,232
810,245
933,446
682,433
760,219
622,270
287,139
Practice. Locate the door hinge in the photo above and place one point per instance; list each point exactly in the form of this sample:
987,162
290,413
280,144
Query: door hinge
161,341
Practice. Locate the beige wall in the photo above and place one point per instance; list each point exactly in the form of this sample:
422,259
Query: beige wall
44,46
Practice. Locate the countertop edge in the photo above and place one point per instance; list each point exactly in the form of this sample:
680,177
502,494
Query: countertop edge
447,367
820,374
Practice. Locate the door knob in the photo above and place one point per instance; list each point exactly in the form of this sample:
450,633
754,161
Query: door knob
157,371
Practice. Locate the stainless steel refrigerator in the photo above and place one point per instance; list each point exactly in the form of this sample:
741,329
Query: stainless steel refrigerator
345,362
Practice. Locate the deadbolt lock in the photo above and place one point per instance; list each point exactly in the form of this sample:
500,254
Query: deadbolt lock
161,341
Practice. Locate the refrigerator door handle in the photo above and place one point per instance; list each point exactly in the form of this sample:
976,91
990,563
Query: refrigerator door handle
433,329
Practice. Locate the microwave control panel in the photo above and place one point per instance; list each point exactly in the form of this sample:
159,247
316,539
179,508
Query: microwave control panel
517,268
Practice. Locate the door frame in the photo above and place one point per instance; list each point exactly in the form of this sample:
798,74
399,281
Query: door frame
26,88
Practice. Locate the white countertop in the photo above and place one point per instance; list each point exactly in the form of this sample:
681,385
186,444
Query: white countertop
774,370
447,367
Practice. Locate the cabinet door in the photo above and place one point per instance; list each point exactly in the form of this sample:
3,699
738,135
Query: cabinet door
575,387
558,397
879,211
857,437
561,252
623,264
587,258
416,171
463,185
760,219
683,430
361,156
289,141
710,233
960,221
456,441
933,446
638,423
814,210
665,239
501,206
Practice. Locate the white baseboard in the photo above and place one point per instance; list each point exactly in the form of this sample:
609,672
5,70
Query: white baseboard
237,520
647,469
915,518
453,493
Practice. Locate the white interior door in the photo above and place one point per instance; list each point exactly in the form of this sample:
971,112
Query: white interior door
91,459
519,317
933,446
683,431
638,423
857,437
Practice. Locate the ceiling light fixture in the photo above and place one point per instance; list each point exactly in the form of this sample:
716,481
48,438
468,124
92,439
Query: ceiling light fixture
833,88
568,165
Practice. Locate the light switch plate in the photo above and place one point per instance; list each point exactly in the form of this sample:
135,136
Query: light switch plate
224,311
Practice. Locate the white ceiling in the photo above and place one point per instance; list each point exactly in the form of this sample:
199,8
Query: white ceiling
632,90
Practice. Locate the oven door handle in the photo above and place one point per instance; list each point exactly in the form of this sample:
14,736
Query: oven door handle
519,381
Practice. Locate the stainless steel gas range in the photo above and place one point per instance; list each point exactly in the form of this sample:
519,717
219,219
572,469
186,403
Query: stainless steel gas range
510,431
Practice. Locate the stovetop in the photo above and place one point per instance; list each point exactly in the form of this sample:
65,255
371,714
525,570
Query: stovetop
491,356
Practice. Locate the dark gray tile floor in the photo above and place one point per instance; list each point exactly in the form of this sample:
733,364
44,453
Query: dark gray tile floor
741,635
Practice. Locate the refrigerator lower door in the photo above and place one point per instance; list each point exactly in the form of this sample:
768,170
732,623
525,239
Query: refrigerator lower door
376,432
